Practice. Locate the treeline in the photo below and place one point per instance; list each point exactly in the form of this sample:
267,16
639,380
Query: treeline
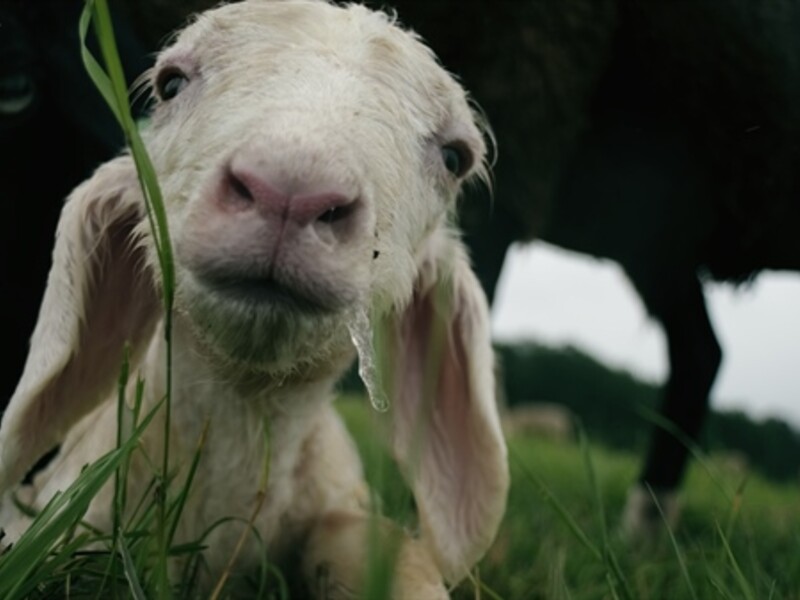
612,406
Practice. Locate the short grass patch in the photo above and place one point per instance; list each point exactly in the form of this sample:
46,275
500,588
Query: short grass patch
738,538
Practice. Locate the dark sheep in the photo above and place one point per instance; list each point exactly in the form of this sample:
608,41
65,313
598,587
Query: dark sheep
661,134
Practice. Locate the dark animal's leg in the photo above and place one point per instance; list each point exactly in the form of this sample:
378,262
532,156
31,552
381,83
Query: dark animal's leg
694,356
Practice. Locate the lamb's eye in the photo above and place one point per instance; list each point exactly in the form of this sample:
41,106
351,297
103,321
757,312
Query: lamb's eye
170,82
457,158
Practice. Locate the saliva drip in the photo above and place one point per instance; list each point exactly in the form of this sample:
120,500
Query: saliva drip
361,334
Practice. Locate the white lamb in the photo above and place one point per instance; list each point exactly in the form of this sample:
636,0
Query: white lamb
310,157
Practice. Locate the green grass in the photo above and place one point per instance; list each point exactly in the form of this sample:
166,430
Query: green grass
558,539
745,545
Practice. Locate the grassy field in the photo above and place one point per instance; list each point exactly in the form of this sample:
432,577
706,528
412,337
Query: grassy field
739,536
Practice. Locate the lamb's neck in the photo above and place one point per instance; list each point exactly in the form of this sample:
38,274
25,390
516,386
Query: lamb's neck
202,392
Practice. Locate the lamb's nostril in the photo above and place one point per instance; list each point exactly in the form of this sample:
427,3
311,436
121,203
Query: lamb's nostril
239,188
329,216
336,213
252,182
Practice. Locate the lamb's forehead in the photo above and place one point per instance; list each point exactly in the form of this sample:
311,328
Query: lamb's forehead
287,21
251,33
350,31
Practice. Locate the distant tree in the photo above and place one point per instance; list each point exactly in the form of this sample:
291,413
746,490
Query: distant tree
771,446
609,403
606,400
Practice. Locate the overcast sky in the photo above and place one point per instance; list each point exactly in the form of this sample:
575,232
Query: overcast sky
558,297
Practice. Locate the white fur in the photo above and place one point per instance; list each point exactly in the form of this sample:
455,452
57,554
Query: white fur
308,96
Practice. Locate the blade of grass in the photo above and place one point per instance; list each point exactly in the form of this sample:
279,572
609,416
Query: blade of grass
478,584
695,450
121,474
593,485
267,569
736,507
719,586
54,563
609,557
554,503
176,509
383,551
675,546
29,554
744,586
130,570
557,583
112,86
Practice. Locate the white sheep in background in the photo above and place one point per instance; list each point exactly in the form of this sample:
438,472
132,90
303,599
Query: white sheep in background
543,419
309,156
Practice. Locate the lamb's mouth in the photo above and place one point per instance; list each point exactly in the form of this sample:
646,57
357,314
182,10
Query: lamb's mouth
266,291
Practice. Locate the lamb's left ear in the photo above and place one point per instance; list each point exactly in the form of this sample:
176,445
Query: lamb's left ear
446,429
100,295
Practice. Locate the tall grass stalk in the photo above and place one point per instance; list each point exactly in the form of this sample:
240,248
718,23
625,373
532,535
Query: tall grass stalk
694,449
616,578
111,84
550,498
676,547
131,573
745,589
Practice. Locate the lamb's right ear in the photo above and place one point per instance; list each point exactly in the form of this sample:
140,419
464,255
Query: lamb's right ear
447,436
100,295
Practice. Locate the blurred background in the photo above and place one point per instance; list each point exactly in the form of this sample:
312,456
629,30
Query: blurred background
561,298
571,331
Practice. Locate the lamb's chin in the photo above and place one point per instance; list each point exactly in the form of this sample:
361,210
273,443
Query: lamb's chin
259,334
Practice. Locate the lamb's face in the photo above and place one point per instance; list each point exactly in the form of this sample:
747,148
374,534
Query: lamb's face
306,153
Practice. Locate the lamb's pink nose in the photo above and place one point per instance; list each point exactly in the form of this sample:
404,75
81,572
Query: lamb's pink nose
302,202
